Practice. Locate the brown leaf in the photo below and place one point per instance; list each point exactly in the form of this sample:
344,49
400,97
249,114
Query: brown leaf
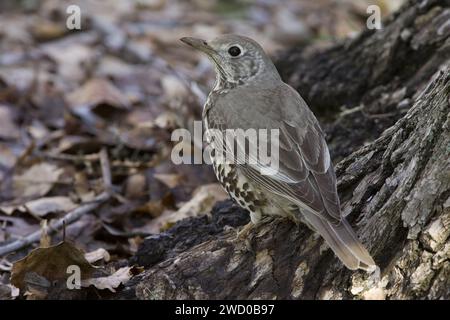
170,180
44,30
99,95
43,206
37,181
50,263
135,186
37,286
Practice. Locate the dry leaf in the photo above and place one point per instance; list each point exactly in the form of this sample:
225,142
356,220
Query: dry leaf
98,94
46,240
8,292
37,181
16,227
72,59
50,263
135,186
7,157
5,265
168,120
14,291
202,201
37,286
8,128
97,255
43,206
8,209
44,30
111,282
170,180
173,87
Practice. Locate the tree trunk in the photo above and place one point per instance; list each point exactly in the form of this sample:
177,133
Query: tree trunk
395,190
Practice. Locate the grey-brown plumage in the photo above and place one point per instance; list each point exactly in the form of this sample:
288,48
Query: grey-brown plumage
249,94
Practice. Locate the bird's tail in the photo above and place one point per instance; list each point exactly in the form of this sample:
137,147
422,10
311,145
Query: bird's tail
343,241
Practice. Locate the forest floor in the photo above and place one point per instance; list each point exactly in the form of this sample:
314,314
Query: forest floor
86,119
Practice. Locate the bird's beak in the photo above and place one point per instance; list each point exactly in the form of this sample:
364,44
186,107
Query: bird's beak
198,44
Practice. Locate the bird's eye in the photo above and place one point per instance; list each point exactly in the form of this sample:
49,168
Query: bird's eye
234,51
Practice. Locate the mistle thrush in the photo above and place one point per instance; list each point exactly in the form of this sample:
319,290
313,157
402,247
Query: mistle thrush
249,94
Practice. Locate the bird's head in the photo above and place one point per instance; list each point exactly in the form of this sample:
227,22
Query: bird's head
238,60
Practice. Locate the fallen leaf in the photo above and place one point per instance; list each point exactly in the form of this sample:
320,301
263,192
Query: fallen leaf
7,209
16,227
14,291
37,181
97,255
37,286
43,206
202,202
82,188
168,120
72,58
100,96
45,30
173,87
170,180
50,263
7,156
135,186
111,282
8,128
5,265
8,292
46,240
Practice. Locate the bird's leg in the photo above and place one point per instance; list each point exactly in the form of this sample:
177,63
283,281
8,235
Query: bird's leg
244,235
244,232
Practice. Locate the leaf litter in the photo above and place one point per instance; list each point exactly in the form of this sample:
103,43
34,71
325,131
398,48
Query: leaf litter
86,119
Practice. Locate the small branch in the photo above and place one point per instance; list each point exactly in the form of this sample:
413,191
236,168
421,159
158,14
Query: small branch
106,173
106,170
69,157
70,217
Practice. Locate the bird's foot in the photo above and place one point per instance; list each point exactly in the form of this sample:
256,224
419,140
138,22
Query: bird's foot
245,231
245,235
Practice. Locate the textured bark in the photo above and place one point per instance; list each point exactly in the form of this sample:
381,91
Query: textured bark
364,85
395,190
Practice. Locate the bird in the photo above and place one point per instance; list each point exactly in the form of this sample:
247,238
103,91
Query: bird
249,94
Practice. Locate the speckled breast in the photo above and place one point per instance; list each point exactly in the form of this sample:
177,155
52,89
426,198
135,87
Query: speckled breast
238,186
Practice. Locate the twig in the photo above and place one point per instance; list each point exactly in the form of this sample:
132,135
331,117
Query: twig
106,170
106,173
70,217
69,157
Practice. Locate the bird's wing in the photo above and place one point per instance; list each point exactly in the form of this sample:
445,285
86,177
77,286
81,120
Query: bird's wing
305,174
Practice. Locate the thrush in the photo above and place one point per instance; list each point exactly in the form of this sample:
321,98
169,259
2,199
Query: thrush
250,94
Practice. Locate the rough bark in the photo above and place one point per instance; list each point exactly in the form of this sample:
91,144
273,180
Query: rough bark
364,85
395,190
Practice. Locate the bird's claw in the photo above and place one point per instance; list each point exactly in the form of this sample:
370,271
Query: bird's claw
246,236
